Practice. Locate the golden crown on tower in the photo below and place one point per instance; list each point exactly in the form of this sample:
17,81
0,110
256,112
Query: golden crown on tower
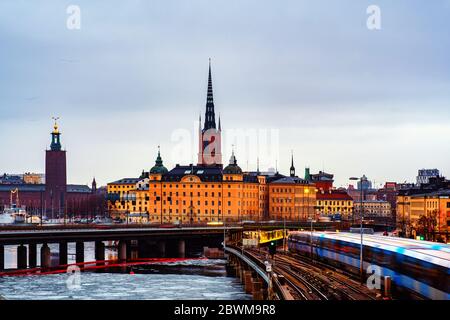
55,126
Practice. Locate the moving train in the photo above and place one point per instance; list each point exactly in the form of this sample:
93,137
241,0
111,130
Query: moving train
418,267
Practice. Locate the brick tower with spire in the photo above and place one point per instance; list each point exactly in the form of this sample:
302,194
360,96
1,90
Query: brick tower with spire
210,140
55,175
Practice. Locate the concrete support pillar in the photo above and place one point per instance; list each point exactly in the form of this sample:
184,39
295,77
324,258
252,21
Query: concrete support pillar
248,281
45,256
21,257
122,250
63,253
162,248
79,252
133,248
257,290
2,257
231,268
181,248
99,252
237,270
242,274
32,255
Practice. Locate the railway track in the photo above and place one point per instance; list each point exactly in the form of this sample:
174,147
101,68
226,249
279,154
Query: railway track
314,282
336,285
300,289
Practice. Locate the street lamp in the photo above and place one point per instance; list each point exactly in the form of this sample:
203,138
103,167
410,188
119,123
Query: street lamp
311,218
361,271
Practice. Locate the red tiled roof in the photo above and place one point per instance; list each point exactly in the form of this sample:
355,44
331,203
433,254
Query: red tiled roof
333,195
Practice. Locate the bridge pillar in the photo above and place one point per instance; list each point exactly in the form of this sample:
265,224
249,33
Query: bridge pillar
2,257
133,249
240,273
32,255
45,256
236,269
244,268
162,248
63,252
79,252
122,250
181,248
21,257
99,252
257,290
248,281
231,266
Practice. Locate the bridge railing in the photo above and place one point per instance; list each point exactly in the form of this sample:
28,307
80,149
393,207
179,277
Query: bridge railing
262,273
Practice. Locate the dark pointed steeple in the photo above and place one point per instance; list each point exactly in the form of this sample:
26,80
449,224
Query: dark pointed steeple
257,165
220,127
56,142
292,169
159,161
94,186
210,117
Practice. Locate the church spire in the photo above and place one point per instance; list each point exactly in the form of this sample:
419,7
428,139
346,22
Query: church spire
292,169
94,186
257,165
220,127
210,118
159,161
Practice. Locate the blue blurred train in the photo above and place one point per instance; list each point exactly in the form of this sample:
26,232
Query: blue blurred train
415,266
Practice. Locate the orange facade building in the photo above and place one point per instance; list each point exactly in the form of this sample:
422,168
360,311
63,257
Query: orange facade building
207,192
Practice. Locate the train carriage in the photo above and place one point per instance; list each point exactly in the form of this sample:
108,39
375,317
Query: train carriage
418,267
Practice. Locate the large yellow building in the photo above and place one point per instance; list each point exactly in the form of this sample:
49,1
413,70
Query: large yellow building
207,192
424,214
199,194
292,199
373,208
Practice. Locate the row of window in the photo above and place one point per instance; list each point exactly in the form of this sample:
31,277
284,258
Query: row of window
246,186
197,213
206,203
334,202
297,210
286,190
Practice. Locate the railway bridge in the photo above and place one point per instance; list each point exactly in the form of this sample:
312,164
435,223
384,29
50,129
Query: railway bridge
132,241
257,276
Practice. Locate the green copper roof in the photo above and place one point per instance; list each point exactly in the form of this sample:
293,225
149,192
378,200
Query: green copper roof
158,168
232,168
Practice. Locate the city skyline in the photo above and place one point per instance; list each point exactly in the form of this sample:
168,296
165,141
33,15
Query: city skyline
350,105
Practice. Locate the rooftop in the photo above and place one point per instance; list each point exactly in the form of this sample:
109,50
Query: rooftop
126,181
333,195
290,180
210,174
76,188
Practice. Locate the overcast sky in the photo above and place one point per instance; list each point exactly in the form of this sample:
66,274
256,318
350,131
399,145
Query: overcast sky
344,98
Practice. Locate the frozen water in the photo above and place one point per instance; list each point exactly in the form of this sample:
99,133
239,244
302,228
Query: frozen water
192,284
